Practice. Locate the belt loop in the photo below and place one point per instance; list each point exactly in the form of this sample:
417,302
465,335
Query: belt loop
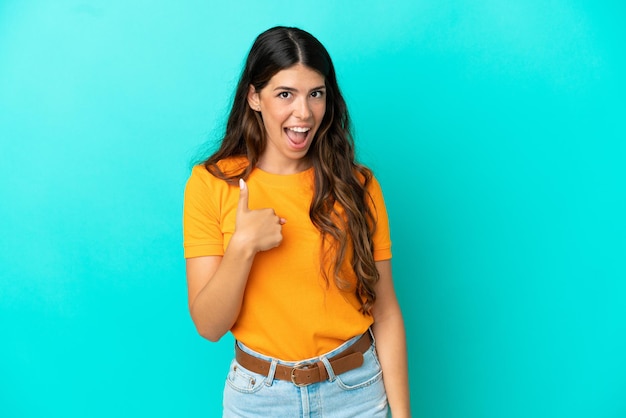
329,368
270,374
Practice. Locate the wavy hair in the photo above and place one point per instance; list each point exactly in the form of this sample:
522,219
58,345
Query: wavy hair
341,205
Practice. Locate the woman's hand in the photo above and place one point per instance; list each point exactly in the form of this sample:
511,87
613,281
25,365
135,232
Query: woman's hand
261,229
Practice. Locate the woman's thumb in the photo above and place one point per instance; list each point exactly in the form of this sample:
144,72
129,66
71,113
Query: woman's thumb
243,196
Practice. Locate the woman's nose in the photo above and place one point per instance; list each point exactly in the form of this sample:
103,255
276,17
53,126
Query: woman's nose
302,110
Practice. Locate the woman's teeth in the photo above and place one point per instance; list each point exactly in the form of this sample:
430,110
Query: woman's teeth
299,129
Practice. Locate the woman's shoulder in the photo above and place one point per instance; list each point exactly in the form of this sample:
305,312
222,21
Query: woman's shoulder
232,165
227,167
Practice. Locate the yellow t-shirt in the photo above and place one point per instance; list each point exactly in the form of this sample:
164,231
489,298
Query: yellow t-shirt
289,311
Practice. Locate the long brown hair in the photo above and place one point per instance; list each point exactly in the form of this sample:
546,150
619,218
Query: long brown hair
341,205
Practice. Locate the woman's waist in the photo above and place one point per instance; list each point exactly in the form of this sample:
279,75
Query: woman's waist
290,344
359,342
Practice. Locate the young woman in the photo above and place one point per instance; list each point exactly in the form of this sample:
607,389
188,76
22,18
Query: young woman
287,246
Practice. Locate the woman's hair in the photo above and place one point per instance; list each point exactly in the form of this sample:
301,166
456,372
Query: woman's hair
341,205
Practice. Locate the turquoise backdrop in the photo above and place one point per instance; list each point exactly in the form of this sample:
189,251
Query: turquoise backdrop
497,130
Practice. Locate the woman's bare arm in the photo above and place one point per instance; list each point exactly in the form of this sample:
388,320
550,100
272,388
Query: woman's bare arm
390,337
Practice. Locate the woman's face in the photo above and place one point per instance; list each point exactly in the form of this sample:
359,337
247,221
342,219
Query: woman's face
292,106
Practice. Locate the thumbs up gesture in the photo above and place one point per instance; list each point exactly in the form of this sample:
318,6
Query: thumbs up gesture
259,228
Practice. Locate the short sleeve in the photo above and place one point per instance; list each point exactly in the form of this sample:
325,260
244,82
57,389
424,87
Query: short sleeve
202,235
382,236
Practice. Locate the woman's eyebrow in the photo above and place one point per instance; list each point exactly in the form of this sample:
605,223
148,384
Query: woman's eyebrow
285,88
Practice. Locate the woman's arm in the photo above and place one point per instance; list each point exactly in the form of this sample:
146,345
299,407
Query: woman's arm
216,284
388,330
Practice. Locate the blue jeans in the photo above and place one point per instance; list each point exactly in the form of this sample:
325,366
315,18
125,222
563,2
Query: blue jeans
357,393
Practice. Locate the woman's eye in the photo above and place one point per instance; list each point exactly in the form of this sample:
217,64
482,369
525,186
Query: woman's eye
284,94
317,94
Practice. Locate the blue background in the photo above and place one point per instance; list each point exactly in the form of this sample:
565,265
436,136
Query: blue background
496,129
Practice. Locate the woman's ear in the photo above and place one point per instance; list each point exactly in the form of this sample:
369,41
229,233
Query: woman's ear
253,99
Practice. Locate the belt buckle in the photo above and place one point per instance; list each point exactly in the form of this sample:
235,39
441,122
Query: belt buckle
299,366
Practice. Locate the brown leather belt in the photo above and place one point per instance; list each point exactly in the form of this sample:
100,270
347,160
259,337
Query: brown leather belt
305,374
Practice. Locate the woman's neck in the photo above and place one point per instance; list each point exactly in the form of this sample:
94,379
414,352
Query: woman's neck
284,167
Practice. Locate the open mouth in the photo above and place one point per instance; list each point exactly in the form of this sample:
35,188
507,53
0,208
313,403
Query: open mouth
298,136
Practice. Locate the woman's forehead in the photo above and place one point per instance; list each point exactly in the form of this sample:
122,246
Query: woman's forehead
297,75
